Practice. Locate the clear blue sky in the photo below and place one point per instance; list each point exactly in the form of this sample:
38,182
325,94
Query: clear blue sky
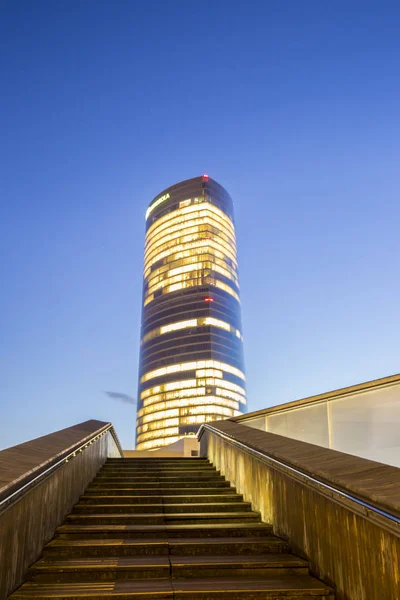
293,106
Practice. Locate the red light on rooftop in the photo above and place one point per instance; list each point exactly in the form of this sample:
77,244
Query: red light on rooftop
208,299
205,177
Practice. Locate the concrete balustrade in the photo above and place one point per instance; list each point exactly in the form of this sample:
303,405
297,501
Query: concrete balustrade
40,482
355,550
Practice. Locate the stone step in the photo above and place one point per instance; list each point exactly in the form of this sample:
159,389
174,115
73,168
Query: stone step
262,565
163,567
227,546
63,548
158,461
191,466
160,518
183,467
145,480
172,468
289,586
165,468
204,483
157,491
144,473
100,569
187,508
156,500
79,548
184,531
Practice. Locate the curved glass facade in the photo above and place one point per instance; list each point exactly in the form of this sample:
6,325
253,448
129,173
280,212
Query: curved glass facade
191,367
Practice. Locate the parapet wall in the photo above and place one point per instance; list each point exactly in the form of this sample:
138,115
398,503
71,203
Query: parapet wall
350,547
41,481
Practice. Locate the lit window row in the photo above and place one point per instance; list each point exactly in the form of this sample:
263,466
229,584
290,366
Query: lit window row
165,273
209,373
189,420
158,425
163,420
183,213
229,394
190,241
176,225
189,236
159,433
196,254
173,251
182,236
188,387
167,387
176,326
193,365
158,443
226,288
207,220
196,282
201,409
207,271
194,271
192,419
185,405
179,394
161,414
173,268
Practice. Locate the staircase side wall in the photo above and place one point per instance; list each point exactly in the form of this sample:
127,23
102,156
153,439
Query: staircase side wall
28,524
359,559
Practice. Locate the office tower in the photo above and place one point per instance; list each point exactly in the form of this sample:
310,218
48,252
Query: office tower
191,367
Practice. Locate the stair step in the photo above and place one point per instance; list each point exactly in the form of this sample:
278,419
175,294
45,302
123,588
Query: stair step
160,518
268,565
163,567
100,569
157,491
158,461
152,469
203,483
155,469
61,548
172,531
188,508
227,546
167,479
289,586
156,500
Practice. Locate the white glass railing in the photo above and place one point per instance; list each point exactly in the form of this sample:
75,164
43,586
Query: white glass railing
363,420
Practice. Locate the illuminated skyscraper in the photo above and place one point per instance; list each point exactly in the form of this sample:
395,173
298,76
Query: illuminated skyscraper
191,367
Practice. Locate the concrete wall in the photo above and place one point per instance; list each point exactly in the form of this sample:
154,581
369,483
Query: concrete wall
359,558
28,523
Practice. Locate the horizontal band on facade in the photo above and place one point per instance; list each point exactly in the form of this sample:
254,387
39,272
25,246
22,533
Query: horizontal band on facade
188,366
190,324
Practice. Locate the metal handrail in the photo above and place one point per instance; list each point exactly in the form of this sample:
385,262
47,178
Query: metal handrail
315,482
65,459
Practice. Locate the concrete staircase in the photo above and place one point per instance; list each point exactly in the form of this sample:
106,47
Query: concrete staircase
167,528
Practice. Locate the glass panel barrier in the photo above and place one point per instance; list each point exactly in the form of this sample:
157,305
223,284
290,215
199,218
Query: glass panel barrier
363,422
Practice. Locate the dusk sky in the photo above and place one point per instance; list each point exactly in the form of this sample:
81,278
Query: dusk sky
294,107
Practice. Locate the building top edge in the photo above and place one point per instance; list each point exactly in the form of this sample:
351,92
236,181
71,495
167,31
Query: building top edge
199,179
